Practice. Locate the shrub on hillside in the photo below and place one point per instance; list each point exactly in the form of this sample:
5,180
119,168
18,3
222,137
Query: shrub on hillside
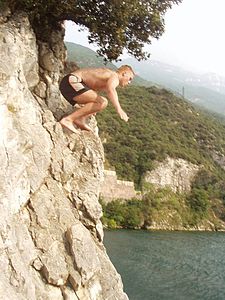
198,201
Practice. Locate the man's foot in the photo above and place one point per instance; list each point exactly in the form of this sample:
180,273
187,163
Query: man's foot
81,124
68,124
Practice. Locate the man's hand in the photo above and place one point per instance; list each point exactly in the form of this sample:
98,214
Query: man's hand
123,115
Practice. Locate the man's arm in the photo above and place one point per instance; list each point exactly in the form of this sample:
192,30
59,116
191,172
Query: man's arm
112,83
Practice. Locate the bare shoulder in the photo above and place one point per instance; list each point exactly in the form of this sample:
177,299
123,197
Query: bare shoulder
112,80
98,71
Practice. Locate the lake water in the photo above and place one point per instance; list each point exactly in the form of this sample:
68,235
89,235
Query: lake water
169,265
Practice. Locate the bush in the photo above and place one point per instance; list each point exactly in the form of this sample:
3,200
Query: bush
111,223
121,213
199,202
132,217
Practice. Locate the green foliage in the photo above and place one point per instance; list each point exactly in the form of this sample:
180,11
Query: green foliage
164,208
212,183
156,206
2,3
157,199
163,125
119,213
83,56
199,201
113,25
160,125
110,223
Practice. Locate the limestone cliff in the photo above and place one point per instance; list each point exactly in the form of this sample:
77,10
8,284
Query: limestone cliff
51,237
177,174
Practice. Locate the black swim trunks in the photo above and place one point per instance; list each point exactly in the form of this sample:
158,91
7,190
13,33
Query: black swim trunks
70,92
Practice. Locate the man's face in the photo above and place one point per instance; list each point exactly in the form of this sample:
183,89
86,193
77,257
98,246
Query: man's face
126,78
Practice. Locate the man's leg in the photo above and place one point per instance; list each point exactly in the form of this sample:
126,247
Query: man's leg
92,103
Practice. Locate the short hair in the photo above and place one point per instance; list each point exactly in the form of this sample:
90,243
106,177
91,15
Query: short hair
125,68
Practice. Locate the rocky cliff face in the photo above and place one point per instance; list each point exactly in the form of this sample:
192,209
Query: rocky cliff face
50,229
177,174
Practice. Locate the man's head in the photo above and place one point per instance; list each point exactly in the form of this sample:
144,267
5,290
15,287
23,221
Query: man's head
126,75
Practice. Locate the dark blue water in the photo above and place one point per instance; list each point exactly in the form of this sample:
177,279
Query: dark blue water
169,265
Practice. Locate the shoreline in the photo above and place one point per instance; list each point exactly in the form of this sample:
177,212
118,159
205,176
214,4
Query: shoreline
166,229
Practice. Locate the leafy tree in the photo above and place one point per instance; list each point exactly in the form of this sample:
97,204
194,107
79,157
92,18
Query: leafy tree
113,25
114,211
125,214
199,201
132,217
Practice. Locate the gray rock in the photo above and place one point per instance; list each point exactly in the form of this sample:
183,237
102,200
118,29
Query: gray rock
54,265
83,250
50,229
177,174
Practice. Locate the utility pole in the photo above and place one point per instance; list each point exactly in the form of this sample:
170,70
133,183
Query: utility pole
183,92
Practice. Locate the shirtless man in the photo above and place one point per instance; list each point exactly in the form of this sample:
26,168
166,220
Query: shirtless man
81,87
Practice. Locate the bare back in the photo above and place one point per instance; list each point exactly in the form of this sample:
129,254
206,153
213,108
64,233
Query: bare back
95,78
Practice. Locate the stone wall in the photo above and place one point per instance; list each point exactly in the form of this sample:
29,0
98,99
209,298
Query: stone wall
112,188
51,236
174,173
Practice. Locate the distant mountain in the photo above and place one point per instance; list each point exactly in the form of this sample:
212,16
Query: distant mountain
206,90
85,57
209,80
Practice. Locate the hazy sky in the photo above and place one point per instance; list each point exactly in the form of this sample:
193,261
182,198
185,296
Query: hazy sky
194,36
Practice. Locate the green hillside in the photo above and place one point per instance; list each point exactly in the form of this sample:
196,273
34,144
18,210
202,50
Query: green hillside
85,57
160,125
